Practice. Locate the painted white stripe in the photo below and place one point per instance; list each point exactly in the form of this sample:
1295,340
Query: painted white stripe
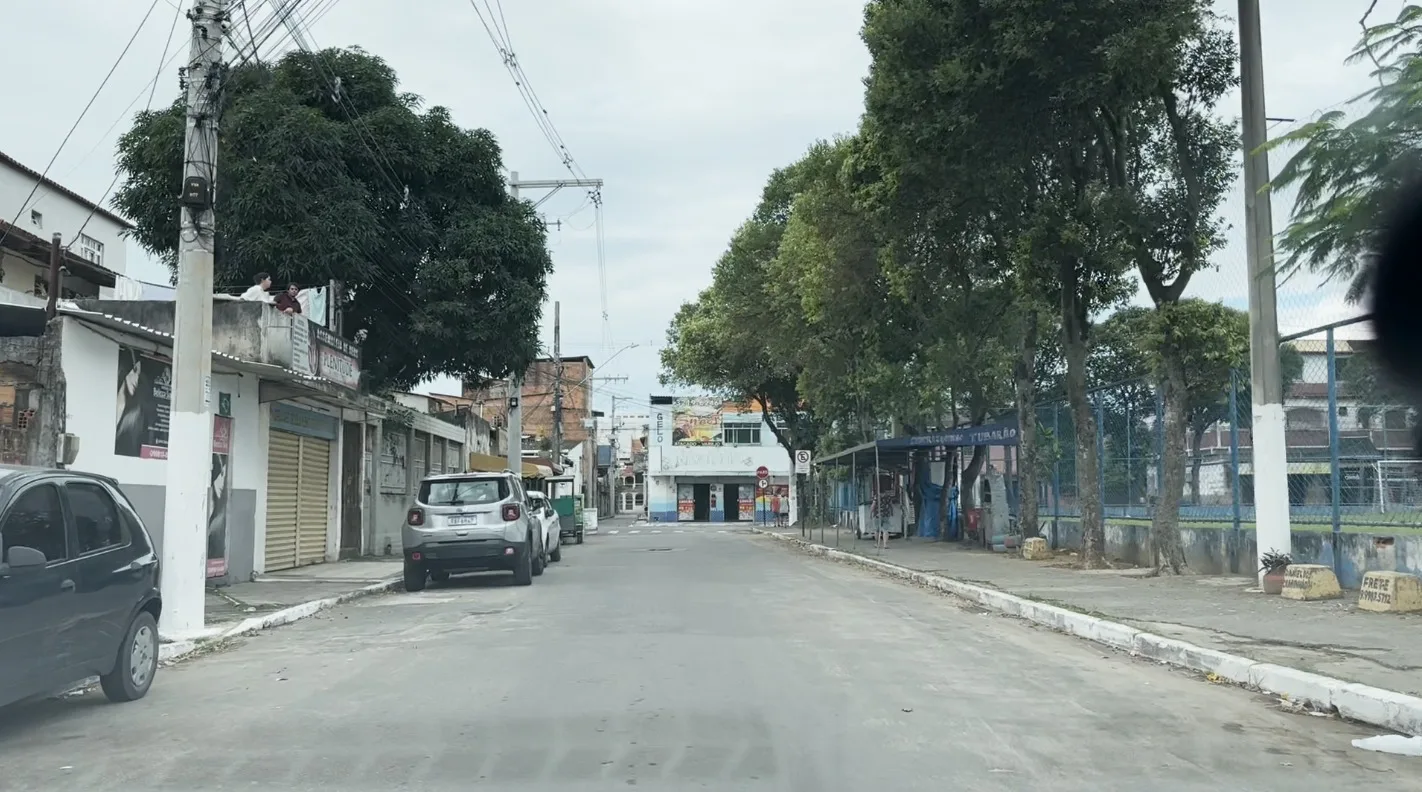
634,531
656,531
611,532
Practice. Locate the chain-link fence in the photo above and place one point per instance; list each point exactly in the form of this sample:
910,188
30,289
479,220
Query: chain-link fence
1351,449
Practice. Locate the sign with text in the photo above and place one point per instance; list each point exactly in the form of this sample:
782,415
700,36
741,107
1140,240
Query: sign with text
144,402
802,462
219,495
337,359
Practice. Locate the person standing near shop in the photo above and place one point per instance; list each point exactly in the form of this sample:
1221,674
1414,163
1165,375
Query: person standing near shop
287,301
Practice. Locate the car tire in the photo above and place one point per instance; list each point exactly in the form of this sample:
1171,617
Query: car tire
540,561
523,568
137,661
439,576
557,554
579,540
415,576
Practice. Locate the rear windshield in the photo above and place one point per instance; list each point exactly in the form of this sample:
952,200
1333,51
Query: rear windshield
463,492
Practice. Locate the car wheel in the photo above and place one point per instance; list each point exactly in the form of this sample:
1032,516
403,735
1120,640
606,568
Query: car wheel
579,540
523,568
137,661
415,576
557,554
440,576
540,560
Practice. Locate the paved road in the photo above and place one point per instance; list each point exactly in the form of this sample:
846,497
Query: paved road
699,660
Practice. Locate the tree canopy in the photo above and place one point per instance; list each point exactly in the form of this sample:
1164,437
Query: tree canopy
1020,171
326,171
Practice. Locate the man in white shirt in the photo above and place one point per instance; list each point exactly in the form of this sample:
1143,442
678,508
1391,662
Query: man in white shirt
258,290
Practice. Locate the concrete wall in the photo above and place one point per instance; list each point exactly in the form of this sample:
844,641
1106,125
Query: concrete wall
1211,550
90,370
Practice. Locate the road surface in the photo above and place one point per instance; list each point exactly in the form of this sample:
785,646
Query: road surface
699,658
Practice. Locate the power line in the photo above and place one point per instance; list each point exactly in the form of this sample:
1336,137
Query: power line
153,89
45,173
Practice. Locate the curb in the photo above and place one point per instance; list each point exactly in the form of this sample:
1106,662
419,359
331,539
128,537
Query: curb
176,650
1391,710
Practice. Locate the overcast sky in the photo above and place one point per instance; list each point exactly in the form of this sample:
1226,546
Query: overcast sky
683,108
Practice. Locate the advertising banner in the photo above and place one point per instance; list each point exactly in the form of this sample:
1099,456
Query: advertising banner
685,503
219,496
696,421
145,392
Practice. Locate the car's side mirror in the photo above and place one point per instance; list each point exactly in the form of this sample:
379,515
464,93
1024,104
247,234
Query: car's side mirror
21,557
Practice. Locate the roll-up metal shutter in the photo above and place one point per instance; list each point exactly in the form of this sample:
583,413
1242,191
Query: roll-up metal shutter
283,487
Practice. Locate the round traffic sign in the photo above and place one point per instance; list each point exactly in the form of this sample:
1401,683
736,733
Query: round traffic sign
762,473
763,484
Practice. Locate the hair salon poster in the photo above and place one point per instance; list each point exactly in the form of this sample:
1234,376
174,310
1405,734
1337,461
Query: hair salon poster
219,495
145,389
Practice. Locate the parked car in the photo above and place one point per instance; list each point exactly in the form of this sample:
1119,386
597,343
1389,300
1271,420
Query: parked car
542,508
472,522
78,586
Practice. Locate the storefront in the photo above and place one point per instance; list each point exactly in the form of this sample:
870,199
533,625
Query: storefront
300,447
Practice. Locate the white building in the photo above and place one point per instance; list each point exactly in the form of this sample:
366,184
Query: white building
702,460
94,264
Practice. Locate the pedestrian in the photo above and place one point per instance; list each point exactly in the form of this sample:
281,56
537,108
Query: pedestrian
257,292
287,301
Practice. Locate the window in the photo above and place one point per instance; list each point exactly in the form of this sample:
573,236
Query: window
35,520
96,519
36,219
637,498
466,492
91,249
741,435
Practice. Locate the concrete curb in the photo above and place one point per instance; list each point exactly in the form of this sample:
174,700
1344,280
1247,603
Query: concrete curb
181,648
1364,703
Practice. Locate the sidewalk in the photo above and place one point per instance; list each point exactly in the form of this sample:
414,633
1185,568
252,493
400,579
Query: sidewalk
1332,639
279,591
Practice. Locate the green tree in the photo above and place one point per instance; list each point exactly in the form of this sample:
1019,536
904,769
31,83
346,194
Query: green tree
1348,173
327,171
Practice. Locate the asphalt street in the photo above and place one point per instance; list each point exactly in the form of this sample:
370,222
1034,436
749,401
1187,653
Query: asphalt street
672,661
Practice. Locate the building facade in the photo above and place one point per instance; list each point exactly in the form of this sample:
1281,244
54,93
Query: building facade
702,457
94,261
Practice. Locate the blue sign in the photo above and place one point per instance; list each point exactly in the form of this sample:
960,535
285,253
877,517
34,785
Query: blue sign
286,418
986,435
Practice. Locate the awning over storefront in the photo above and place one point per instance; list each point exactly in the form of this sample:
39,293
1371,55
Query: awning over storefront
488,463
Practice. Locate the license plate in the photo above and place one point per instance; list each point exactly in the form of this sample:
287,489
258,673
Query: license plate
464,519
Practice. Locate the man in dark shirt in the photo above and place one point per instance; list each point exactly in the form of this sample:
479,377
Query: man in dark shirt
287,303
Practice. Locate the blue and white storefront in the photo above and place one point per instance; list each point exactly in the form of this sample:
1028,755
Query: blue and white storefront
702,460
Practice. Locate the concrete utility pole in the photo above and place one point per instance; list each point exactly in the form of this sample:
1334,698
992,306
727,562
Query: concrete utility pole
190,422
612,463
516,382
1270,457
56,261
557,386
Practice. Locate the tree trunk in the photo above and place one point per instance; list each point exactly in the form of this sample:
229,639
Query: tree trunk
1088,470
1196,438
968,494
1025,375
1165,526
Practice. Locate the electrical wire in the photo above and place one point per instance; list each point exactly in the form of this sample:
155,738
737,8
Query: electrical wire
45,173
153,89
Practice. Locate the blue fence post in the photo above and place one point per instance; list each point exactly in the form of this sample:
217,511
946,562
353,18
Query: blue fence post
1056,471
1101,454
1333,451
1159,444
1234,545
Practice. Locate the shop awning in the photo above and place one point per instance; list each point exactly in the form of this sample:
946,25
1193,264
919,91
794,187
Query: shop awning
488,463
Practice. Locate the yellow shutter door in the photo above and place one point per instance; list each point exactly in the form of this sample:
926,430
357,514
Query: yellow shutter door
314,500
283,478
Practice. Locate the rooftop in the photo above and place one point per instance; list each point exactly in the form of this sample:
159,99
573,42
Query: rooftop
14,164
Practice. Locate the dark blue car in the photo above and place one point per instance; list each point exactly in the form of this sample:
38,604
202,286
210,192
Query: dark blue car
78,586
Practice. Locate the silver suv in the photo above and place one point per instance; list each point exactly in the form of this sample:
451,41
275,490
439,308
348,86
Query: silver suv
470,522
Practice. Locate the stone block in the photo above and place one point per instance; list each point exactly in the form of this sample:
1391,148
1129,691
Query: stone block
1390,592
1036,549
1309,582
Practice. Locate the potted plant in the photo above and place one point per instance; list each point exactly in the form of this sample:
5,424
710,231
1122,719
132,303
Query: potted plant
1274,565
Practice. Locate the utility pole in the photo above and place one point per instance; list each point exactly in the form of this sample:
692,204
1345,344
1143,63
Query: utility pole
1269,458
557,386
515,384
56,260
189,465
612,466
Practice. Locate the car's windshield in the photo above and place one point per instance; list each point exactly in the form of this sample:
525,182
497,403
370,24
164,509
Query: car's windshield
463,492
